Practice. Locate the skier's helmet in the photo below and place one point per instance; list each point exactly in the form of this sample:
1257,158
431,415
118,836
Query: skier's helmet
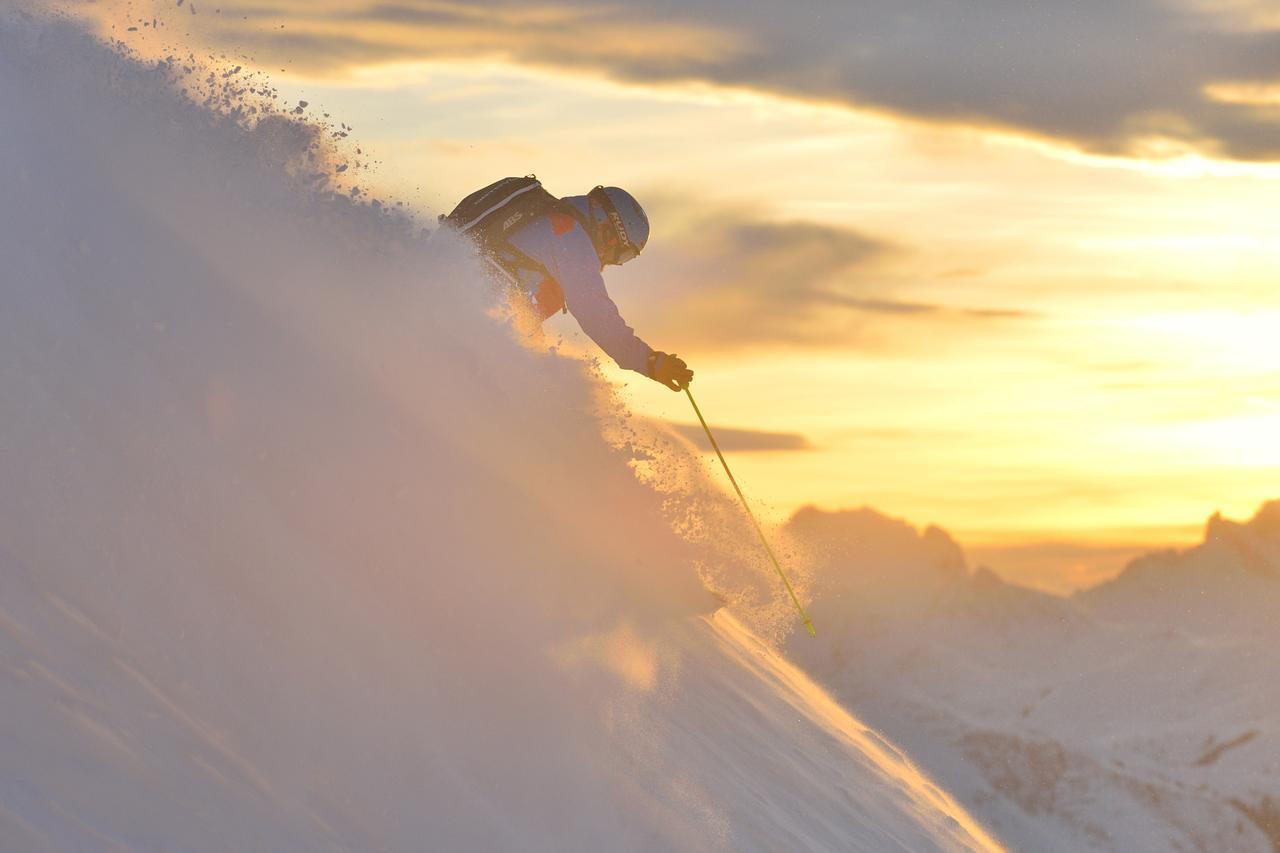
625,227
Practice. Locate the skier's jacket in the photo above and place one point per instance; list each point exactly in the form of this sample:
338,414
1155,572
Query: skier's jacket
554,265
570,280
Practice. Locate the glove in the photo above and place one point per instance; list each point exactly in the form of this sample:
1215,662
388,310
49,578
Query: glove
670,370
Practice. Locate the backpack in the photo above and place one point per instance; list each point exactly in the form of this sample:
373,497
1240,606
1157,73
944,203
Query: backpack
490,215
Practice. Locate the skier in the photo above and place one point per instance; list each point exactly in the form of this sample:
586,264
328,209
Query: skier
553,252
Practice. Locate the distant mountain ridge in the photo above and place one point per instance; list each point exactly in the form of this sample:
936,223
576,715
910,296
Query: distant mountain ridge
1141,714
1223,584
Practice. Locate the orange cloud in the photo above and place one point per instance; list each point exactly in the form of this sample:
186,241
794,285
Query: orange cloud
1127,77
328,37
725,283
743,440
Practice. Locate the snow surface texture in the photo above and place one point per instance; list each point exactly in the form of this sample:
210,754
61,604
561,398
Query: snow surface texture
1143,714
301,550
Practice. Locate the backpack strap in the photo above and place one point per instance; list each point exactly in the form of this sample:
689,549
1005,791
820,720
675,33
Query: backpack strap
570,209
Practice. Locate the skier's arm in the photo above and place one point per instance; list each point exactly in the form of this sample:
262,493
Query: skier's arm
577,268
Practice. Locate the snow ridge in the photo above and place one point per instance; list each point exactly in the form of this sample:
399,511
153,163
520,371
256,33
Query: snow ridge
302,550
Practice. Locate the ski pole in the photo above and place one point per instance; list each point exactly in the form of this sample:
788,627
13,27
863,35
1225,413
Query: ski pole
751,515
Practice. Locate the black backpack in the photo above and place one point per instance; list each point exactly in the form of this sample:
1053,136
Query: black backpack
490,215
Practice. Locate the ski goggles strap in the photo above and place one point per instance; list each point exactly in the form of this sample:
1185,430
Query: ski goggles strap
623,249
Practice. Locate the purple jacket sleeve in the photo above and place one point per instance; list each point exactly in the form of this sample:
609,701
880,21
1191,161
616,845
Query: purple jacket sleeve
571,260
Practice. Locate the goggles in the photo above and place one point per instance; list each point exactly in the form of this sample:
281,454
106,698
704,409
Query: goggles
616,247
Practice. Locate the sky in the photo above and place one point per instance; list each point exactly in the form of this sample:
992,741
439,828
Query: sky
1004,268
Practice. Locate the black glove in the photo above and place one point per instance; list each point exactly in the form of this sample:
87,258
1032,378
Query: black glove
670,370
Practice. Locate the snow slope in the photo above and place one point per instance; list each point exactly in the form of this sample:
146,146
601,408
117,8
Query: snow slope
1143,714
300,549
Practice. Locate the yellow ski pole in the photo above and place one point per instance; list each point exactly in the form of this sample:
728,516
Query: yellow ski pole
763,541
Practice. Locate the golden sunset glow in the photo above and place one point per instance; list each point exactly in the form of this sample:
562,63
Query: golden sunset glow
1020,336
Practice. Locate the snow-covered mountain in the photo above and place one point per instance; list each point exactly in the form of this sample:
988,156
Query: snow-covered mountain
301,550
1142,714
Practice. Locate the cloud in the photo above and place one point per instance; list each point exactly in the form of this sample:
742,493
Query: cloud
1108,76
743,440
331,36
725,283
